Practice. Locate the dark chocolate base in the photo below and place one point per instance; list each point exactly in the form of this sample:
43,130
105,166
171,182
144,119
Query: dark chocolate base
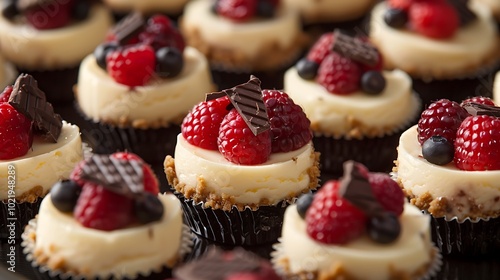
467,239
12,226
246,228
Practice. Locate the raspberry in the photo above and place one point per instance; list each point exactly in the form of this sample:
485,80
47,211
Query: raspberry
50,15
5,95
149,178
161,32
289,124
239,145
331,219
442,118
387,192
15,133
321,48
201,126
477,147
339,74
101,209
400,4
133,66
433,19
478,99
237,10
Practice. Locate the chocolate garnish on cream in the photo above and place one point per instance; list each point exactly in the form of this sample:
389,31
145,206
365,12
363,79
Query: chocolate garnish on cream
476,109
29,100
354,48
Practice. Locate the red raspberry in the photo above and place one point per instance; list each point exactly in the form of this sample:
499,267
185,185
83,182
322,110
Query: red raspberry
77,173
321,48
339,74
15,133
332,219
237,10
101,209
50,15
149,178
161,32
239,145
443,118
133,66
289,124
387,192
201,126
433,19
5,95
400,4
477,147
478,99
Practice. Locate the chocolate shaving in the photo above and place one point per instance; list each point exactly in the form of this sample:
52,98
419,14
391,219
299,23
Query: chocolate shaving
355,49
247,99
214,95
29,100
465,15
129,27
120,176
357,190
476,109
216,265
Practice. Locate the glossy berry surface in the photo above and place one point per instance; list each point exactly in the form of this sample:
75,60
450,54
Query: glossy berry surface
50,15
15,133
169,62
478,99
239,145
434,19
331,219
133,66
477,146
290,128
5,95
321,48
64,195
148,208
384,228
396,18
437,150
102,51
160,32
338,74
237,10
101,209
303,203
373,82
400,4
307,69
443,118
201,125
387,192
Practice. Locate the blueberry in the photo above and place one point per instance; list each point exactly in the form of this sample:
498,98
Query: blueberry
303,204
10,9
64,195
102,51
373,82
384,228
213,8
169,62
81,10
396,18
148,208
265,9
437,150
307,69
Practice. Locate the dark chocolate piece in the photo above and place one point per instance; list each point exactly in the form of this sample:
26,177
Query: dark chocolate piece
357,190
28,99
216,264
214,95
129,27
465,15
477,109
354,49
247,99
23,5
117,175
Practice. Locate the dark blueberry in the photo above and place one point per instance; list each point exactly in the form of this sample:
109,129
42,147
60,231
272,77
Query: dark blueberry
81,10
265,9
169,62
437,150
396,18
213,8
307,69
64,195
10,10
102,51
148,208
384,228
373,82
303,204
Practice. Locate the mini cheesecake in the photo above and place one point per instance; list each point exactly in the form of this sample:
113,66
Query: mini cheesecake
329,10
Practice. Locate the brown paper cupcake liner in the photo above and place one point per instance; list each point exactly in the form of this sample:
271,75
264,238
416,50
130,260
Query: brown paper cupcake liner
44,272
247,228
